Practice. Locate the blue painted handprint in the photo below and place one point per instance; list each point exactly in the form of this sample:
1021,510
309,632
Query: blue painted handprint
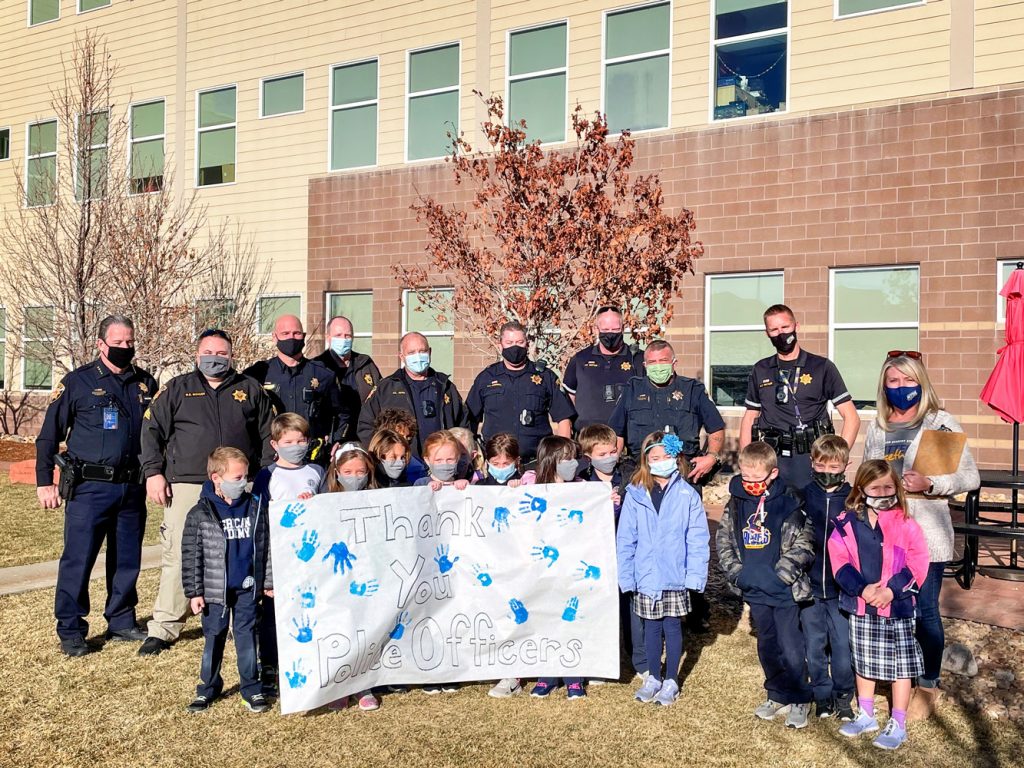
342,557
304,630
531,504
364,588
571,607
501,518
291,515
519,612
545,552
307,596
443,563
297,677
310,542
400,624
589,571
483,574
567,516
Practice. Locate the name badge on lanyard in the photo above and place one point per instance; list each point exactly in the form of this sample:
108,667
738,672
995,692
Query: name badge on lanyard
110,417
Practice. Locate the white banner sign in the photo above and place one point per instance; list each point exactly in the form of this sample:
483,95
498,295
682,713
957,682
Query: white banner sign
409,586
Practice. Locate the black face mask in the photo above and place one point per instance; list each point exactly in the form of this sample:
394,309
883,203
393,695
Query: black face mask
610,341
120,357
784,343
514,355
828,479
291,347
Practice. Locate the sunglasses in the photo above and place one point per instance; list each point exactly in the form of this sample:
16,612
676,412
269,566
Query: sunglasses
912,354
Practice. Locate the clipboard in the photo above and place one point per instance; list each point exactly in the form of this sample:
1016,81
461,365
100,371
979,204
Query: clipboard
939,452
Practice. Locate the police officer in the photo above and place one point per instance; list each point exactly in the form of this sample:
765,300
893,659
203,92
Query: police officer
519,396
666,401
596,376
787,399
355,373
299,385
101,404
192,414
417,388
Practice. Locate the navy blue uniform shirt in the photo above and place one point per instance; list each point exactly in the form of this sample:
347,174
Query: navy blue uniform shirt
812,381
597,380
308,389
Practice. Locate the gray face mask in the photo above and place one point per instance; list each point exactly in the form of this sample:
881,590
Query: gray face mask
443,472
606,464
214,366
393,468
294,453
233,489
566,470
353,482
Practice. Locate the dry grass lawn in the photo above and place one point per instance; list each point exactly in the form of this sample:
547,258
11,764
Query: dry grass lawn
113,708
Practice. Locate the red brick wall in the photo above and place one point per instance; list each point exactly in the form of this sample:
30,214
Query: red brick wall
937,183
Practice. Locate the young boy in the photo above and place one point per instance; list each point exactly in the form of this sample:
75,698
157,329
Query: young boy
225,557
827,630
764,547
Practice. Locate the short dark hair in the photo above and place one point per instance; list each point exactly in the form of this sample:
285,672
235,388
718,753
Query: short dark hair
778,309
217,333
110,320
657,345
502,443
607,308
511,325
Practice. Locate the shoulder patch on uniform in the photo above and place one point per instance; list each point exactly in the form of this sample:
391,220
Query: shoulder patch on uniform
148,415
143,388
57,393
373,390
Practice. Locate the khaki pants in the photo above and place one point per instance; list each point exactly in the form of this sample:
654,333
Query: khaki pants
171,607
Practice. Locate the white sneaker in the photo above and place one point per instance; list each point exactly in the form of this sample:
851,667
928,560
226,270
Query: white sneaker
668,694
771,709
647,691
798,716
505,688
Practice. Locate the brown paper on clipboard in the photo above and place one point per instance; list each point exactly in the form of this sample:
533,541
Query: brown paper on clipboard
939,452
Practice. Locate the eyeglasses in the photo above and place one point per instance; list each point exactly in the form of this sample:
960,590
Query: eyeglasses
912,354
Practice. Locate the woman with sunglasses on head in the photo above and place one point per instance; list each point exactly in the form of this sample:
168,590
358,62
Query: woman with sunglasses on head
908,406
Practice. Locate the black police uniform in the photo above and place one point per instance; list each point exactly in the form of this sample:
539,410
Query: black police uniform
597,380
682,406
791,398
356,381
520,402
103,411
435,402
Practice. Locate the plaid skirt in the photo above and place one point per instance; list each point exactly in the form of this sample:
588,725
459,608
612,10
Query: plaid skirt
884,648
674,602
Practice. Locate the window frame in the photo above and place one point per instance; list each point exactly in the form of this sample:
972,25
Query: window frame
28,15
409,95
30,157
259,308
132,141
563,70
10,134
836,16
79,11
713,64
26,340
270,78
635,57
1000,282
428,334
328,314
199,131
709,329
90,149
331,109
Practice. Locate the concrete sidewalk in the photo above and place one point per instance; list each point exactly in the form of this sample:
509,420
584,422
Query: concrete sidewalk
23,578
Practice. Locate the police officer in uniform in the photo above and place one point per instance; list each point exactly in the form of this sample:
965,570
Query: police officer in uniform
417,388
355,373
101,404
787,399
597,375
299,385
193,414
519,396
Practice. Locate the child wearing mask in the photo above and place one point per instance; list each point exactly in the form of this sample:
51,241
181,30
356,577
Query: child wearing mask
443,453
472,467
501,461
391,452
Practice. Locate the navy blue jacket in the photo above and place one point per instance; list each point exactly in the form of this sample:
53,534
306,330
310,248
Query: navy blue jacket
822,509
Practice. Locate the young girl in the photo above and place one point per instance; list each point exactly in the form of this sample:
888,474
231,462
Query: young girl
502,461
391,452
442,452
663,548
472,464
880,560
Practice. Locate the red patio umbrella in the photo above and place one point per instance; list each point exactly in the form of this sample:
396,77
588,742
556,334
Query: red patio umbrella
1004,390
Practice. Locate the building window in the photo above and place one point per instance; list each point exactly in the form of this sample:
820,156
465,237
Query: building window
37,362
1003,271
41,164
284,95
537,77
147,147
440,332
432,103
845,8
91,5
353,129
358,308
735,338
5,143
637,52
751,63
272,307
91,160
216,127
3,348
41,11
873,311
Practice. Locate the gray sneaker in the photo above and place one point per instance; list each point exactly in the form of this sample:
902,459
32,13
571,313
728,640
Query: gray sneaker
892,737
647,691
798,716
668,694
503,689
771,709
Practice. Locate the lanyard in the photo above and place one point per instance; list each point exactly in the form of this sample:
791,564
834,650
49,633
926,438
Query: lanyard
792,388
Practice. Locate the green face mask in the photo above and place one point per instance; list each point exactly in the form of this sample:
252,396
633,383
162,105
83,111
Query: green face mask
659,373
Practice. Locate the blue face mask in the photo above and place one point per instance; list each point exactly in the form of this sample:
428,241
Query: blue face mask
341,347
663,468
903,398
501,474
418,362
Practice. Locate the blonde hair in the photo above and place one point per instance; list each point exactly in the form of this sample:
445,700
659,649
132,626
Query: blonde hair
439,438
867,473
595,434
830,448
470,444
929,402
758,454
288,422
351,451
642,475
221,457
